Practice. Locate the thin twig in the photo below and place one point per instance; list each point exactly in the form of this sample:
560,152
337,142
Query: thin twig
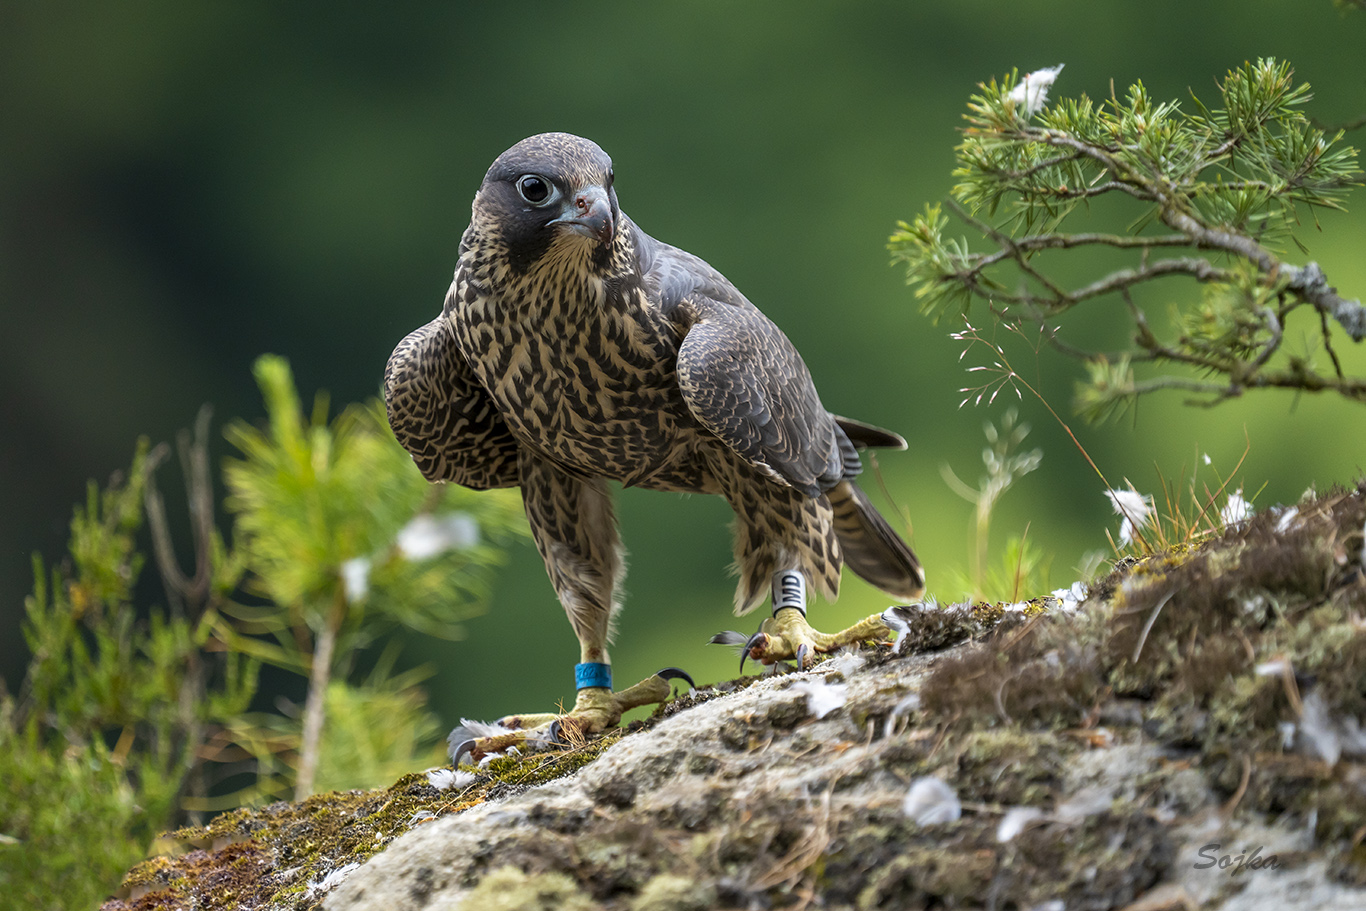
1147,627
1041,166
183,590
1328,343
1227,809
173,581
1272,344
1350,125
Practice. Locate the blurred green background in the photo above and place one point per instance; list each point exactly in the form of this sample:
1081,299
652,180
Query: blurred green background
186,185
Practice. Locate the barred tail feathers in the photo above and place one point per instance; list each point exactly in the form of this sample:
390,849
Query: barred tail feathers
871,548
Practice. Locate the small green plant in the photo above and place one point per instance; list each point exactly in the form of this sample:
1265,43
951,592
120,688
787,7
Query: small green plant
101,745
346,541
1004,466
135,718
1211,195
1021,572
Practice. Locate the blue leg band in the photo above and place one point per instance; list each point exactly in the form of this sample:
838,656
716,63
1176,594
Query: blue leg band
592,673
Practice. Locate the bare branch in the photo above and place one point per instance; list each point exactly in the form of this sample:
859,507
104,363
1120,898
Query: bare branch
1307,282
1201,269
1272,344
1067,241
182,590
1311,285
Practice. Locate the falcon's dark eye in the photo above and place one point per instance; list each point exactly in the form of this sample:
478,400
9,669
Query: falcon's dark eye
535,189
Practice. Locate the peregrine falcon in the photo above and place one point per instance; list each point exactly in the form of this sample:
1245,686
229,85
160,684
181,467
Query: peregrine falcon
574,350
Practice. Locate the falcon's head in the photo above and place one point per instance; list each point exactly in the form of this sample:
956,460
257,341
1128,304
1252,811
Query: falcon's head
552,191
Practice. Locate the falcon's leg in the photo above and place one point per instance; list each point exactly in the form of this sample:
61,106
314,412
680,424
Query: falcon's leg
575,529
787,538
787,636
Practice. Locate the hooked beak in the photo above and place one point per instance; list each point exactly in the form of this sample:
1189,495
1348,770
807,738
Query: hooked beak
588,212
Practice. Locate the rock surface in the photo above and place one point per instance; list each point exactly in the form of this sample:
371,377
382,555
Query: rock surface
1188,736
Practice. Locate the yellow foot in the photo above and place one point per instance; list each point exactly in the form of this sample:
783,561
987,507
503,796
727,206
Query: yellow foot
786,636
595,710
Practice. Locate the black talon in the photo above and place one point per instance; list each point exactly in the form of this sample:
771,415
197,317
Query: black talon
802,651
465,747
673,673
749,644
553,735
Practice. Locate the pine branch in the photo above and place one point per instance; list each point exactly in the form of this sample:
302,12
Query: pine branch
1226,181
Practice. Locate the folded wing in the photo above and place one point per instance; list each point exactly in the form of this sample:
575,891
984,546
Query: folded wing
442,416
